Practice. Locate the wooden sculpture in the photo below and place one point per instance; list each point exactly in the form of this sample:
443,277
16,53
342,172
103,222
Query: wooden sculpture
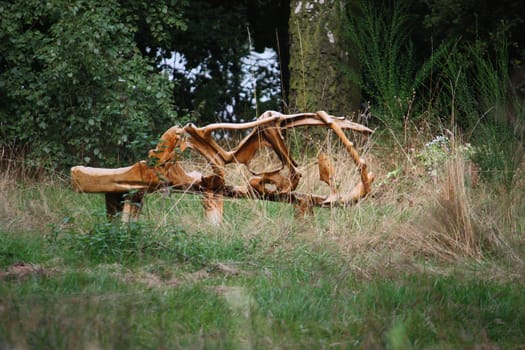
125,187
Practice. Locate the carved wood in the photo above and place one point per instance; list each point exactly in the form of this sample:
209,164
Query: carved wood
163,169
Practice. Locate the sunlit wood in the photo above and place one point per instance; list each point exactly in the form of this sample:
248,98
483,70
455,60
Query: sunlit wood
162,168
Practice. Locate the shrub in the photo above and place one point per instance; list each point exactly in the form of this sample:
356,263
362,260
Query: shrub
74,86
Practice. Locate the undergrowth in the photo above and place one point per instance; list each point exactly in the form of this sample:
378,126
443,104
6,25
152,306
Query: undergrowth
432,258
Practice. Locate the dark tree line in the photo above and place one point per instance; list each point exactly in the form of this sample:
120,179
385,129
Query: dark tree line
93,81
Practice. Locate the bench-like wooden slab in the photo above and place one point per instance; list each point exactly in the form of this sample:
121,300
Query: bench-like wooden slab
124,187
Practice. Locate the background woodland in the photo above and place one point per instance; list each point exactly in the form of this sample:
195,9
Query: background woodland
97,82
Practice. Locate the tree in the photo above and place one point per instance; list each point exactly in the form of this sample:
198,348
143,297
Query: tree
214,50
73,85
319,58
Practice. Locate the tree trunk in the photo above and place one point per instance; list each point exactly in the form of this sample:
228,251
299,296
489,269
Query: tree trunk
320,59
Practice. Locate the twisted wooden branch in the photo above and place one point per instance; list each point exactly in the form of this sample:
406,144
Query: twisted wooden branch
162,168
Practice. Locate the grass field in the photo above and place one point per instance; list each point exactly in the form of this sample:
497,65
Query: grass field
433,259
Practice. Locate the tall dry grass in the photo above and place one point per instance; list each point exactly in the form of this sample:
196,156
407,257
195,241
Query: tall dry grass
451,215
412,213
447,214
34,198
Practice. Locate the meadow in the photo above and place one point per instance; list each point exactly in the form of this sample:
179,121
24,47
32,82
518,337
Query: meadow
433,258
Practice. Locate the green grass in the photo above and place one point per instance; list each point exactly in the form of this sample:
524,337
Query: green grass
72,310
312,309
380,274
305,295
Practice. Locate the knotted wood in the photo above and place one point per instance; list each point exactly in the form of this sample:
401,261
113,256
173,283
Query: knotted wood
162,168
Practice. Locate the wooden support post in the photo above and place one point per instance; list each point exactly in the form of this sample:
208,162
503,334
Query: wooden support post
127,205
132,206
114,204
213,207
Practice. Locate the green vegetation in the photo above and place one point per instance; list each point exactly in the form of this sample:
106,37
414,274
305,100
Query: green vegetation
412,266
303,296
75,69
306,299
463,87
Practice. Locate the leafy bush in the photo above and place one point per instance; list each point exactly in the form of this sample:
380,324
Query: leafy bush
73,85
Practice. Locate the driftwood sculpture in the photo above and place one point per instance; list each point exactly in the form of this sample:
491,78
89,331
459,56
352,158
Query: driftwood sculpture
124,187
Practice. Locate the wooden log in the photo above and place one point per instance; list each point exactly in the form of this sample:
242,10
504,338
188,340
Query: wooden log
124,187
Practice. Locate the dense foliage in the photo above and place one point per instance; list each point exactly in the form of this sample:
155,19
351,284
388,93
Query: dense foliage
73,84
97,81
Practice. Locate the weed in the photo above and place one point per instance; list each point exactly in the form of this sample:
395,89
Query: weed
381,37
110,241
486,107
